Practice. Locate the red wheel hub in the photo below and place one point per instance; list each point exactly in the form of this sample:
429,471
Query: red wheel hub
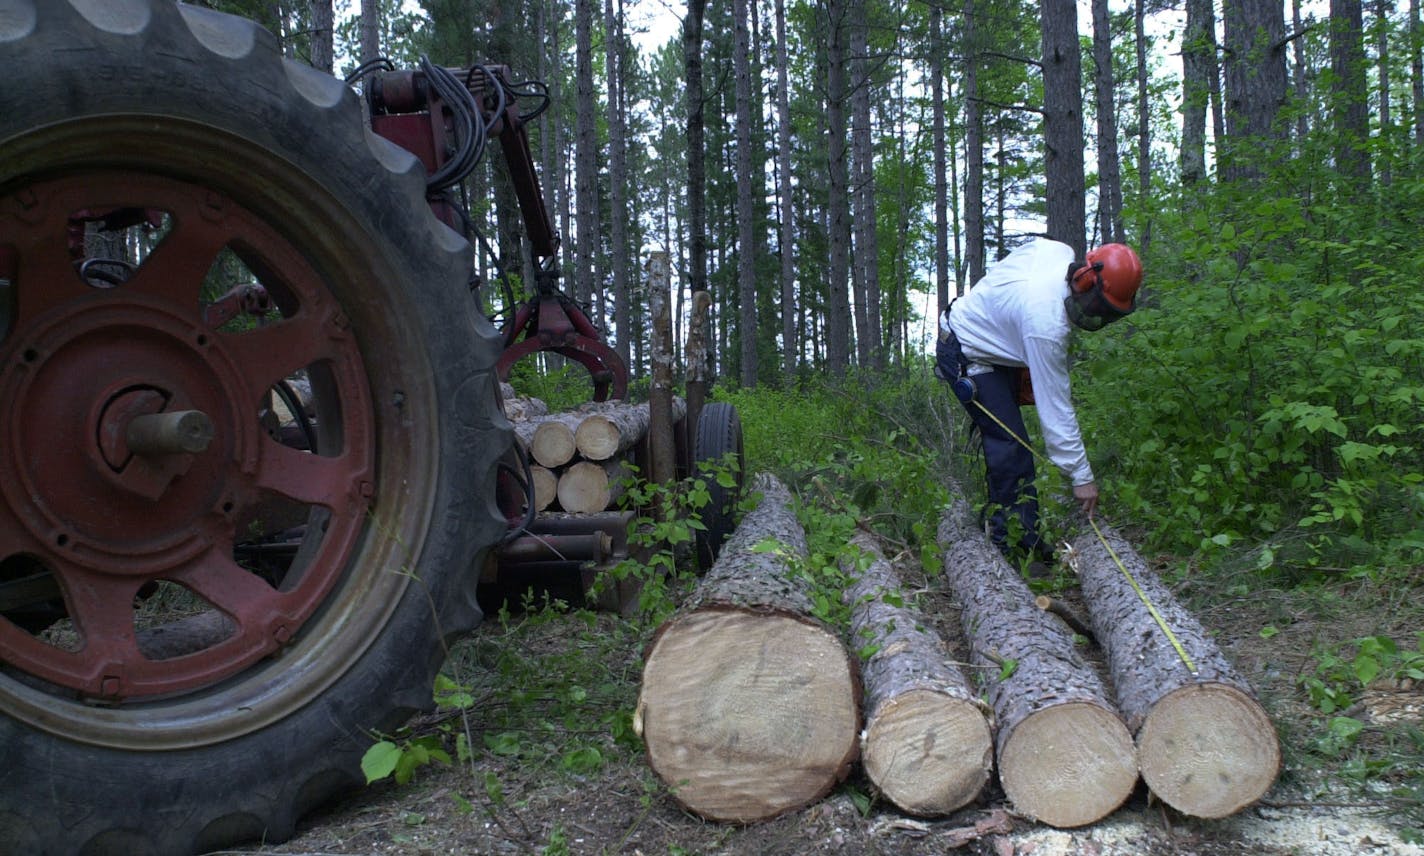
83,369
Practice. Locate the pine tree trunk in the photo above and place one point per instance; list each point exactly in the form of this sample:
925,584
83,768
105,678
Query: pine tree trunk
1065,758
746,216
749,706
586,161
1255,84
941,180
869,335
1109,171
619,261
370,30
790,344
1198,61
1063,123
322,35
1204,744
974,262
926,744
837,310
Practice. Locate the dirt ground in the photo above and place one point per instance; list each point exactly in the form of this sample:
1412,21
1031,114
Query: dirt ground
623,809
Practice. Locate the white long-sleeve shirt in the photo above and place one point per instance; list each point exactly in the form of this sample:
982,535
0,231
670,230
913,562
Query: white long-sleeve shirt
1014,316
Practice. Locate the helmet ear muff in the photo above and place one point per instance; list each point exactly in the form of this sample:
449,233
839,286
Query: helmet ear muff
1086,276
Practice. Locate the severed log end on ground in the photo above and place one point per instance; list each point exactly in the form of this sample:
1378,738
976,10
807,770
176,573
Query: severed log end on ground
1067,764
749,707
927,744
1064,755
1208,750
1205,745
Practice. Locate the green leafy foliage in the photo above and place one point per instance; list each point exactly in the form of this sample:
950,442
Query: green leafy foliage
1268,389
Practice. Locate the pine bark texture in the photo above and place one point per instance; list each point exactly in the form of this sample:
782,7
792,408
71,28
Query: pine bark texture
1065,758
749,706
927,744
1204,744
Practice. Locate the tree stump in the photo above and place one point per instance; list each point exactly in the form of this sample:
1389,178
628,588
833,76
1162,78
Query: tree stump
927,744
749,706
1065,758
1205,746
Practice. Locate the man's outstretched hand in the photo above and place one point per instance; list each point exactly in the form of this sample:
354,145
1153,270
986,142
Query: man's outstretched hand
1087,497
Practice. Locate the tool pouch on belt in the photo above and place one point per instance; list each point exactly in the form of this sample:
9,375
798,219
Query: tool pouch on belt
950,363
1024,393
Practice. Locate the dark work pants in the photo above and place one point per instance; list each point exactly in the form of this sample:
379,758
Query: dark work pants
1008,464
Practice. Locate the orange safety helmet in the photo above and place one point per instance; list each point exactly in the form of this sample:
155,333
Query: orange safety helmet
1116,270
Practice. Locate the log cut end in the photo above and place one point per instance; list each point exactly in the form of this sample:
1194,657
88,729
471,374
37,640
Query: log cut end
597,438
747,715
1068,765
928,752
1208,750
552,444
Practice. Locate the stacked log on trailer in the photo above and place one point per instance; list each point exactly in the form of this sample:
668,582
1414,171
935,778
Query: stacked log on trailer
749,706
927,745
1064,755
584,454
1205,745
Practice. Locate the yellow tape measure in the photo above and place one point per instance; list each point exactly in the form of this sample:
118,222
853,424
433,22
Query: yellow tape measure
1146,601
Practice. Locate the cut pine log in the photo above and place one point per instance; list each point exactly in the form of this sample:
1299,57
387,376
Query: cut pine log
1064,755
589,486
927,744
546,486
749,706
615,428
551,443
1205,745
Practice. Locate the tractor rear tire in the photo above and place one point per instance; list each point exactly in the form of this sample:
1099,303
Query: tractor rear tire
718,445
106,746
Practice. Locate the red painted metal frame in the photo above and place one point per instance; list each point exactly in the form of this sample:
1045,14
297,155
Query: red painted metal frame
404,113
79,362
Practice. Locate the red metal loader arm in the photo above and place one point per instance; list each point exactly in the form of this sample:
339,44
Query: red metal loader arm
431,112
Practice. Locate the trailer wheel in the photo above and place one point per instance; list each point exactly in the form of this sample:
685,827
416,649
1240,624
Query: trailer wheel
719,441
205,619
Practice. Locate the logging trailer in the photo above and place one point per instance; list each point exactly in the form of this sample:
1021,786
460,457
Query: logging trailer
205,609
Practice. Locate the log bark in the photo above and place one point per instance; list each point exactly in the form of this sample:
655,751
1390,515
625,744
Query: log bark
927,744
589,486
749,706
1205,745
519,409
613,429
1064,755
